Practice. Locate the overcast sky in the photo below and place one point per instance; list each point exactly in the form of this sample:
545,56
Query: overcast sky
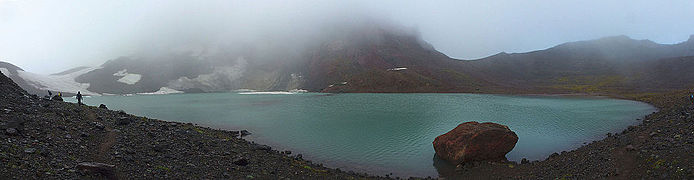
51,36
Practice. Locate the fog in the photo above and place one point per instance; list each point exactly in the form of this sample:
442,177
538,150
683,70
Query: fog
51,36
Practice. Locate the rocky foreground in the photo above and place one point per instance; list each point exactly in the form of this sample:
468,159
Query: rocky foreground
43,139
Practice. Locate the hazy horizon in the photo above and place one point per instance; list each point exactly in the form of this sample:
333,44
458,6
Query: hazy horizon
48,37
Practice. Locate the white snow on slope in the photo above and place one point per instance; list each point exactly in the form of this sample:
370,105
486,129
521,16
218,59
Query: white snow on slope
163,90
127,78
397,69
222,77
58,83
267,93
5,71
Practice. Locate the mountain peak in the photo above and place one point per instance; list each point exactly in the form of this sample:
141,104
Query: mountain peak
616,38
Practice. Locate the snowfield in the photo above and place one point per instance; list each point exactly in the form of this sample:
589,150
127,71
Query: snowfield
397,69
58,83
5,71
163,90
127,78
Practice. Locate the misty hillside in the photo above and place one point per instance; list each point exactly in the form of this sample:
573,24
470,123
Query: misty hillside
376,58
615,63
12,72
368,58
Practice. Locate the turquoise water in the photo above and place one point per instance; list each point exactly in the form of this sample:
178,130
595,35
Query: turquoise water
389,133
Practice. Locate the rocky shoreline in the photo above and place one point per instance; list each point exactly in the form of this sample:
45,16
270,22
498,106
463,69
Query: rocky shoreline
42,139
661,147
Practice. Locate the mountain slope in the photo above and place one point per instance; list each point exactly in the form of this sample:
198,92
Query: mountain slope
383,61
12,72
586,66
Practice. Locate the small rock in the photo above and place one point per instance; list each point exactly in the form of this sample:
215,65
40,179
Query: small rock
630,148
241,161
30,150
11,131
57,98
159,147
677,136
84,134
68,136
123,121
299,156
100,126
553,155
105,169
262,147
121,112
7,111
103,106
287,152
653,134
524,161
244,133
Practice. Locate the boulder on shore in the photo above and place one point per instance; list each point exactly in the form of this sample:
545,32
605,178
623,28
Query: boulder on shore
57,98
473,141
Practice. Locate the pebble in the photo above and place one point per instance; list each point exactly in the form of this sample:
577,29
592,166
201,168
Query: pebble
11,131
99,126
30,150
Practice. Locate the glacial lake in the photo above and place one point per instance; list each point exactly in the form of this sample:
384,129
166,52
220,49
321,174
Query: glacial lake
389,133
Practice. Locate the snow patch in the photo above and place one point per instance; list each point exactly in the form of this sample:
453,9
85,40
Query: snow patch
221,78
267,92
163,90
58,83
127,78
397,69
293,91
5,72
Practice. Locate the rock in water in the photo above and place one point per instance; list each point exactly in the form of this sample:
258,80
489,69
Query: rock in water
473,141
103,106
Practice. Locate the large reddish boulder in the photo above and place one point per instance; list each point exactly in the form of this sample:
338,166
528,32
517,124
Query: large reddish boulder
473,141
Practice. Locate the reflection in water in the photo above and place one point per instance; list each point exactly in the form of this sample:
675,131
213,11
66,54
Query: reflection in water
443,167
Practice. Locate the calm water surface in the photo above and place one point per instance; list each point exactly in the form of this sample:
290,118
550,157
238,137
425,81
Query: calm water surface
389,133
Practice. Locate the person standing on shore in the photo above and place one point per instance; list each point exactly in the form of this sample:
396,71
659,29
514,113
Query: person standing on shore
79,98
691,98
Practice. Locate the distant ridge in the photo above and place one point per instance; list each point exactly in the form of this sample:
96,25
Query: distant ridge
363,60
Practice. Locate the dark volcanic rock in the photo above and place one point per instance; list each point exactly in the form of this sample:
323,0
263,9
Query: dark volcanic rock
11,131
241,161
103,106
105,169
123,121
57,98
473,141
244,133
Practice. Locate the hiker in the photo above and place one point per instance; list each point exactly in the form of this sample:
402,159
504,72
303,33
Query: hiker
691,98
49,95
79,98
